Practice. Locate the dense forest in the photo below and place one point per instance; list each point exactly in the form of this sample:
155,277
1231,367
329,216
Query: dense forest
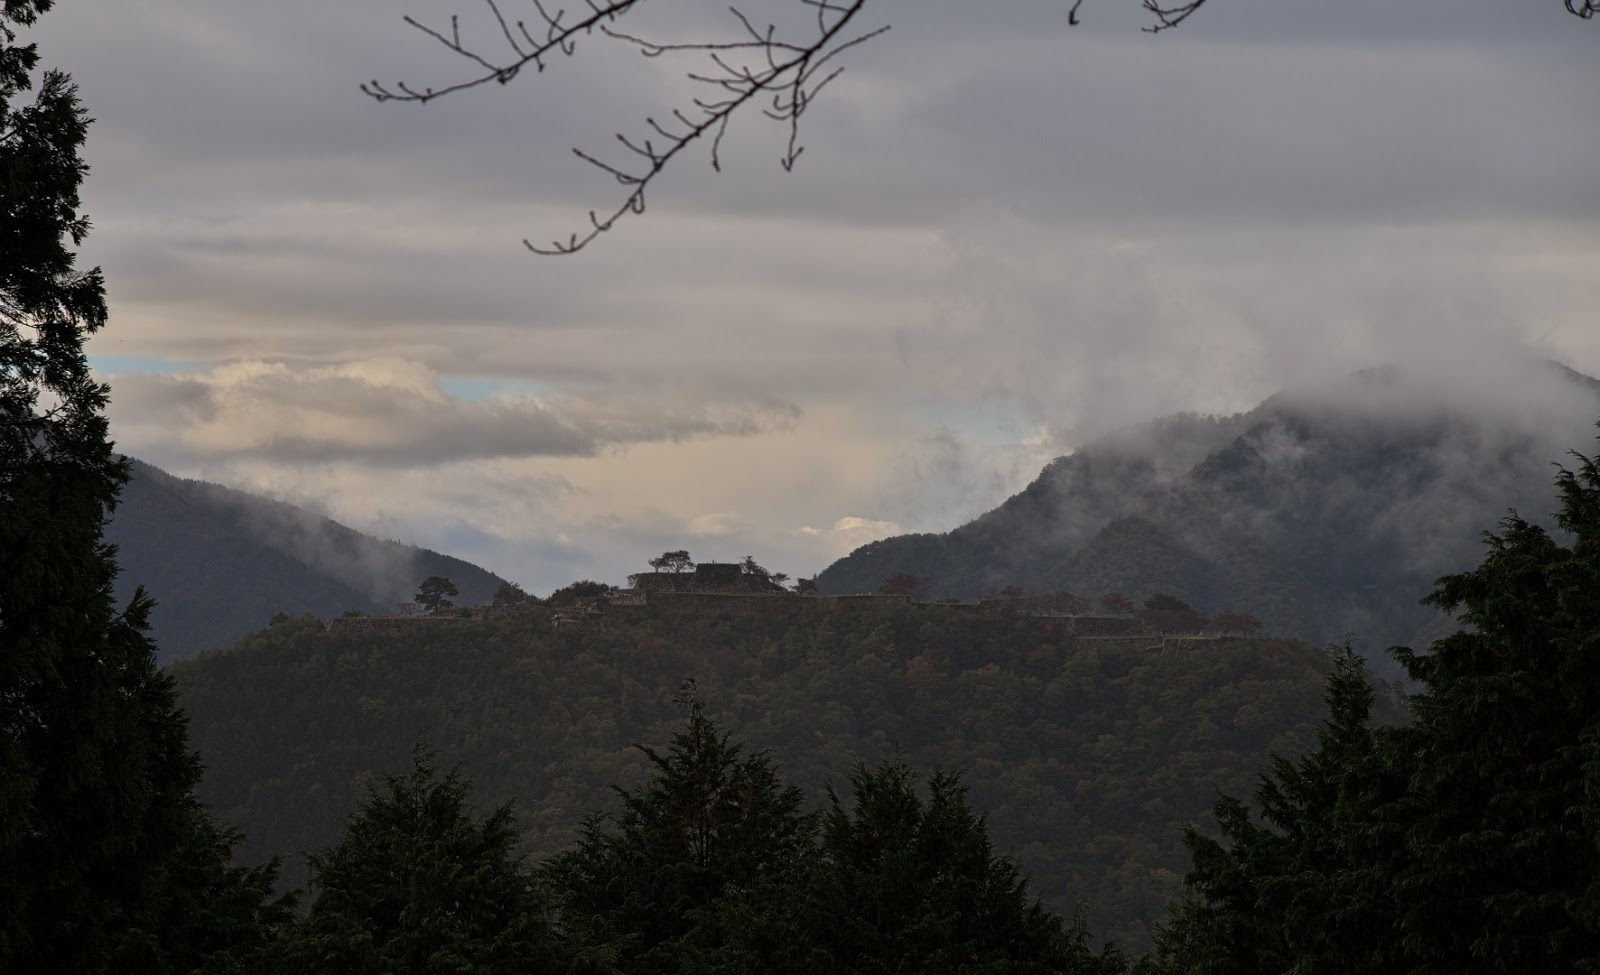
1088,754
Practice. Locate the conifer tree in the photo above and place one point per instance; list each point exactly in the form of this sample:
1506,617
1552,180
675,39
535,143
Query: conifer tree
710,823
1467,840
98,823
907,883
419,884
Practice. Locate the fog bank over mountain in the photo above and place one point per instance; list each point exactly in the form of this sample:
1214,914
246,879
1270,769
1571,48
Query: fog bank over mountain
1325,511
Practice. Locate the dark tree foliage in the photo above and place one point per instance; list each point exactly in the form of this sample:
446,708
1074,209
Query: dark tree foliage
420,884
910,883
1116,602
1465,841
1292,892
712,868
711,822
1167,613
106,858
434,594
902,584
509,595
675,561
582,589
1232,621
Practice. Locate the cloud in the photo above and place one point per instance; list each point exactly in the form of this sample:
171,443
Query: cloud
394,412
1005,238
851,532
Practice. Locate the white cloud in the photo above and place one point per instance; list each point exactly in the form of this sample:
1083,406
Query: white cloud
394,412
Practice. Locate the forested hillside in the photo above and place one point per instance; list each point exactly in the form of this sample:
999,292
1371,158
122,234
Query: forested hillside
220,563
1324,512
1088,755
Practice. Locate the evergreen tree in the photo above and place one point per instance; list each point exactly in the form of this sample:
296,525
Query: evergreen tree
98,824
419,885
1302,890
1502,815
1465,841
709,824
913,884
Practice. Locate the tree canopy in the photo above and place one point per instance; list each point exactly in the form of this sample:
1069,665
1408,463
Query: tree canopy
420,884
434,594
1462,841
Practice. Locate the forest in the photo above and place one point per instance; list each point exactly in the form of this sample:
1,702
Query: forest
1087,755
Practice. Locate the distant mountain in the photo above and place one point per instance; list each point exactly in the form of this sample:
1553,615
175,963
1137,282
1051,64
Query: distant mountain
221,563
1324,512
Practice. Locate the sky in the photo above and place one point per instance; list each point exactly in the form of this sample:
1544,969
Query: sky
1006,237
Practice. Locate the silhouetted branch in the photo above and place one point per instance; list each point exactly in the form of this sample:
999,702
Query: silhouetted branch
1168,17
559,37
782,74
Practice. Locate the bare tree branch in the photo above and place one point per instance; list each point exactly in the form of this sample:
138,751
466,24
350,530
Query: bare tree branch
781,74
559,37
1170,16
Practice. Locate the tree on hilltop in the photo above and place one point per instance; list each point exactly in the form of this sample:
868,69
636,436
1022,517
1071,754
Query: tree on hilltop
1116,602
675,562
580,590
434,594
903,584
1167,613
1229,621
508,595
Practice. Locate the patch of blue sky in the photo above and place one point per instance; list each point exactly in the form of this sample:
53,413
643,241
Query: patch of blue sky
111,365
990,424
476,388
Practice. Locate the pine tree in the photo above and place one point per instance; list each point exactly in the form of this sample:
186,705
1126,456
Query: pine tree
913,883
1467,840
711,823
1303,889
1502,815
97,816
419,884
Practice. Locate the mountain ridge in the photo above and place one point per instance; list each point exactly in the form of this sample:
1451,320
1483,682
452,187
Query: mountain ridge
1324,511
220,562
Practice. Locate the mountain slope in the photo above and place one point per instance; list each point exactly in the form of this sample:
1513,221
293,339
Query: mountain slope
221,563
1324,512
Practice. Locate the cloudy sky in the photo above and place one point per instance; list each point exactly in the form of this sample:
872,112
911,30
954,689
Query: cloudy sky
1005,237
